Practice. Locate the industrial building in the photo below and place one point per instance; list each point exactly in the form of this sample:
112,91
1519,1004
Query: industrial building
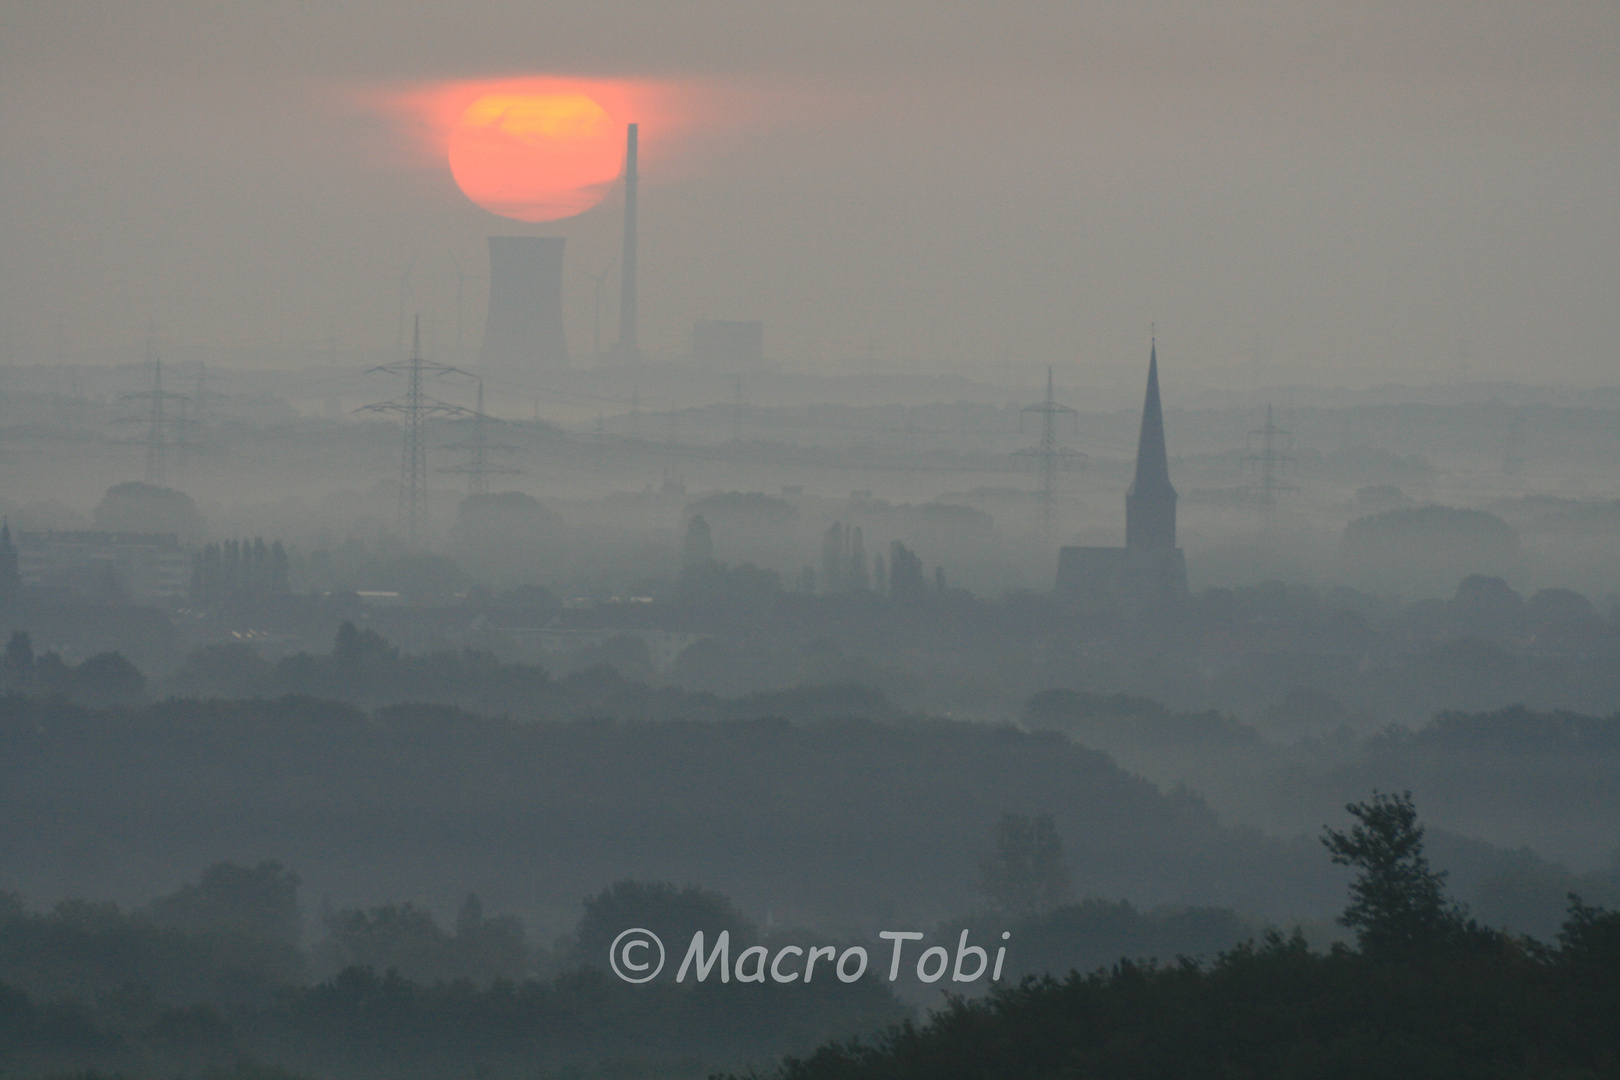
139,567
524,332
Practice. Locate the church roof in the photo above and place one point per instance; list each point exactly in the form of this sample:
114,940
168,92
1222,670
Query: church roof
1152,460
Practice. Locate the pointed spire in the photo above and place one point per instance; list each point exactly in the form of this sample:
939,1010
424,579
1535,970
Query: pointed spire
1150,501
1152,460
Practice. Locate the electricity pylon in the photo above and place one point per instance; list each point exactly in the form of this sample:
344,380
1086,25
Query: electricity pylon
416,408
158,420
478,468
1048,452
1268,462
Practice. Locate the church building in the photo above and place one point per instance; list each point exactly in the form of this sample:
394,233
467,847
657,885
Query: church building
1150,569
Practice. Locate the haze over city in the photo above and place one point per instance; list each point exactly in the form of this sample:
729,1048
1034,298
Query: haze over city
1329,194
493,494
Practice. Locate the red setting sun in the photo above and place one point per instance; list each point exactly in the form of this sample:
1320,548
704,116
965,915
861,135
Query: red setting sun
535,148
539,148
536,156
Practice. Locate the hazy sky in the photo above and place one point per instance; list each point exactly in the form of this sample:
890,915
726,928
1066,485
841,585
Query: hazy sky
1337,192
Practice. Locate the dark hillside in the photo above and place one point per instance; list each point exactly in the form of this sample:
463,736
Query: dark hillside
842,822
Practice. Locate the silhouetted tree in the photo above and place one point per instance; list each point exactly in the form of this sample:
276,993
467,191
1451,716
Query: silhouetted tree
1026,873
19,659
256,901
905,573
355,649
833,560
697,549
107,678
1590,946
10,577
858,577
146,508
401,937
1397,903
671,913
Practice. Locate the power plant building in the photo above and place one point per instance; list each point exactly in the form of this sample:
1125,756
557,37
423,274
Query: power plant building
1150,570
524,332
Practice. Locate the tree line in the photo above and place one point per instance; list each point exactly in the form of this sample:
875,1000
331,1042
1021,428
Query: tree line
1426,992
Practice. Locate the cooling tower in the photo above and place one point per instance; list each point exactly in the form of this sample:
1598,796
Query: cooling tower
525,327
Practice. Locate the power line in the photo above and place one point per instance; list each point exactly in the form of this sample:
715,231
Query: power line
1048,452
1268,462
597,281
158,420
404,290
416,407
478,468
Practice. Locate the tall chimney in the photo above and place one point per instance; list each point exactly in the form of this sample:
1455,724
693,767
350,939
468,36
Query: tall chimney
627,349
525,328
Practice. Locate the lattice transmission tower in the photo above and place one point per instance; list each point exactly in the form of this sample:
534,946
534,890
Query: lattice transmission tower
1049,454
478,468
159,421
1268,462
416,407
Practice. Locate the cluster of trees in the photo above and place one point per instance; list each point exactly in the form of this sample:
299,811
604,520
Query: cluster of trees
1557,768
239,570
1425,991
1428,992
362,1024
706,582
231,937
207,977
816,810
1554,777
236,935
364,667
845,568
105,678
408,940
1027,891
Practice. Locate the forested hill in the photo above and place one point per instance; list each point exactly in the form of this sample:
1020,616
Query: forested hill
1498,1010
842,822
1429,992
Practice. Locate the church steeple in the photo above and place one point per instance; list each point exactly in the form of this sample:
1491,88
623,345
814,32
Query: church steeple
1150,502
10,579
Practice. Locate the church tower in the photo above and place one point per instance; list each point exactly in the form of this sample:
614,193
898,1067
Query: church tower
10,579
1150,501
1148,576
